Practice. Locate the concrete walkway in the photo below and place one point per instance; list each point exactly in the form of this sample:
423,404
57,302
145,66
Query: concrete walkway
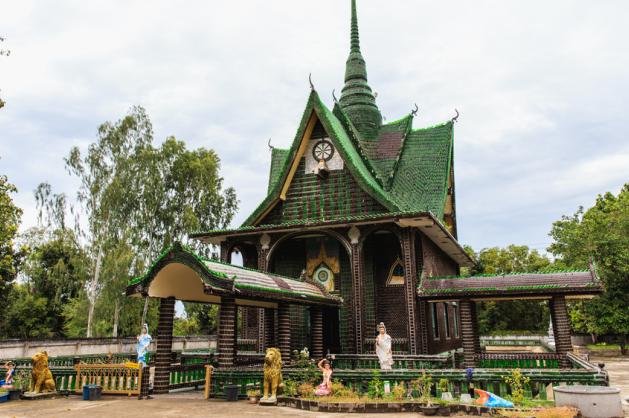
164,406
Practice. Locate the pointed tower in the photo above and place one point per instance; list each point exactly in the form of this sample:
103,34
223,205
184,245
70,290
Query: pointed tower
357,98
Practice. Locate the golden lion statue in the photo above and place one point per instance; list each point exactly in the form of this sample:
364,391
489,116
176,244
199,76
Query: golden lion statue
42,380
272,374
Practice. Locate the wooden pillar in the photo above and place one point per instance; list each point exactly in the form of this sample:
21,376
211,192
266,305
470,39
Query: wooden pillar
358,300
283,330
269,328
227,344
422,307
164,345
468,332
561,328
477,348
262,248
407,238
224,252
316,332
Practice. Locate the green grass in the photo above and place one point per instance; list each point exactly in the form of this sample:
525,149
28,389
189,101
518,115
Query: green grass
603,346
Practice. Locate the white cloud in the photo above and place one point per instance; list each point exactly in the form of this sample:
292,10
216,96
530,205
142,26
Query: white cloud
542,89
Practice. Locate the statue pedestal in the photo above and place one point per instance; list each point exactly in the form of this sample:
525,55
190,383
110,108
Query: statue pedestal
32,396
268,402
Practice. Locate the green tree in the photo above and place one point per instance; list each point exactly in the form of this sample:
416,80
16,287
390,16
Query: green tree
520,315
136,199
27,315
9,256
600,234
54,269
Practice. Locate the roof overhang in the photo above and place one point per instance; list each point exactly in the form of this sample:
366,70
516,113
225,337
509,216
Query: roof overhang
426,222
540,286
183,275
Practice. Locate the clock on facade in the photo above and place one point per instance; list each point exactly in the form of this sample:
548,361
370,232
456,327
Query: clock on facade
323,150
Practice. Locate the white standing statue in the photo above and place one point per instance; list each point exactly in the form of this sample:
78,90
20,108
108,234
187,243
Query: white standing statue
384,348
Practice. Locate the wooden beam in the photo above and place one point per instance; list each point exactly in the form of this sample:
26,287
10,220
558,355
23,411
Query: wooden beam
300,152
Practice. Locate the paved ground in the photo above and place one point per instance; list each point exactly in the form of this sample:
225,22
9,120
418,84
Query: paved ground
618,369
189,405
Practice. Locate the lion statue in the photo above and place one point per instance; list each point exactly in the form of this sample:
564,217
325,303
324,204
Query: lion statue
272,374
42,380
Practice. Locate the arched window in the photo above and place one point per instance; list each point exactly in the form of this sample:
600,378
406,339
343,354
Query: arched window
396,274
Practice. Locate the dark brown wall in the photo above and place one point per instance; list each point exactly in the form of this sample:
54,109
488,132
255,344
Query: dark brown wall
436,262
390,306
443,343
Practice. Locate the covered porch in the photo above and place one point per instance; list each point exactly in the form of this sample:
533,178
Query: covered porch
555,288
180,274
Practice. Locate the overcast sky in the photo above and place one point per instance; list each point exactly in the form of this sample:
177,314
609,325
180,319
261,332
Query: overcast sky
542,88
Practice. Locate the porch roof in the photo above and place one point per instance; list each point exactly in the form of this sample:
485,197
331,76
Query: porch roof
180,273
517,285
424,221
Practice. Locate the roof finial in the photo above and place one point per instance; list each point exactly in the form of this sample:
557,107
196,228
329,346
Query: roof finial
355,44
310,81
414,111
456,118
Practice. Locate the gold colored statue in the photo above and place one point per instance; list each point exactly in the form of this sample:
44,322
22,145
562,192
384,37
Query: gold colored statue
42,380
272,374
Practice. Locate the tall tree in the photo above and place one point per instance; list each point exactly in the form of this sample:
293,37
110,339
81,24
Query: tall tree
600,234
141,198
519,315
9,257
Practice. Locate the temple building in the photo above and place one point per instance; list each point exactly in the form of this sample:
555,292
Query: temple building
358,226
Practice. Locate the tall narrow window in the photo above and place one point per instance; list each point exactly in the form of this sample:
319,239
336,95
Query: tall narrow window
435,321
455,318
446,315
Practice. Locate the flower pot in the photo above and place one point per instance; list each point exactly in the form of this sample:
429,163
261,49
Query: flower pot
430,410
231,392
14,394
444,411
4,396
253,399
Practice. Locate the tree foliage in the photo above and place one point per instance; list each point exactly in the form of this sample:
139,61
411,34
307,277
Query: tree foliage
600,234
10,216
134,198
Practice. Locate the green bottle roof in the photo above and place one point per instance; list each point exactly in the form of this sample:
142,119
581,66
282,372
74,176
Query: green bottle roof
357,98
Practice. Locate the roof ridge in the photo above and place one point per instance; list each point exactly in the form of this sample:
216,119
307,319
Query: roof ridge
409,129
356,138
515,273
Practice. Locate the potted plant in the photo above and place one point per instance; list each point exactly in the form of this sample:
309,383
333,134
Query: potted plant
443,388
444,408
424,385
231,390
253,395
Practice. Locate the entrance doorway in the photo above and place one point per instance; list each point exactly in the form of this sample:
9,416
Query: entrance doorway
331,338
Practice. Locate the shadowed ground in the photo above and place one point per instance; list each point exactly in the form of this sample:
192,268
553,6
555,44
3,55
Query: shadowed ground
188,404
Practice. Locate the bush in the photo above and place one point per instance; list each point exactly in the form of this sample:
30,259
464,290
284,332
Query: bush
516,382
290,387
375,388
423,385
305,390
443,385
399,391
341,391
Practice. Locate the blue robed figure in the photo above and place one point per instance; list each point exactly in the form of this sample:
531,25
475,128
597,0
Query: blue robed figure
144,341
